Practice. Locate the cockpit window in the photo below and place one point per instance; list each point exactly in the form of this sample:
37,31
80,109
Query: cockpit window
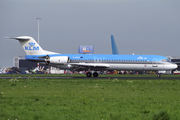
168,60
165,60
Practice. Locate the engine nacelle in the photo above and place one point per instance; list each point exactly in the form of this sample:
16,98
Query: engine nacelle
57,60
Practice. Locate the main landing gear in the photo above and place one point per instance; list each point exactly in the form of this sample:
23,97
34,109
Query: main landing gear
89,74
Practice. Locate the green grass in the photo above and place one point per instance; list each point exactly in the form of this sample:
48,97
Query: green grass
54,99
83,75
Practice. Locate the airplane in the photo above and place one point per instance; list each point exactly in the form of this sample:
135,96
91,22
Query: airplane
93,62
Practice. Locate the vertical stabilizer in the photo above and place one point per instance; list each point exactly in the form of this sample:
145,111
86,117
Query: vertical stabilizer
30,46
113,45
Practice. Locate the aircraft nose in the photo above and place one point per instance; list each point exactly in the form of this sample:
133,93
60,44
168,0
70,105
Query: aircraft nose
170,66
175,66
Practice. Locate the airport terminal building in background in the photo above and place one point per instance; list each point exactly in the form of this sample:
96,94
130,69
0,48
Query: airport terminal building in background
23,64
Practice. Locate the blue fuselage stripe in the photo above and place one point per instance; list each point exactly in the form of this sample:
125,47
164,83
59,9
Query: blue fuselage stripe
101,57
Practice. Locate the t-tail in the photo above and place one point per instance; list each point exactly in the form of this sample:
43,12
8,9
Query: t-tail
31,47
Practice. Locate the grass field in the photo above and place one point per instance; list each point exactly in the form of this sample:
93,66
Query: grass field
107,99
83,75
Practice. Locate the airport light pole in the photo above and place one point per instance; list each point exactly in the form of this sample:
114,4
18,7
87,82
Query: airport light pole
38,28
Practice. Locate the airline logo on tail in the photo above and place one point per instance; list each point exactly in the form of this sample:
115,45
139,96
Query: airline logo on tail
31,46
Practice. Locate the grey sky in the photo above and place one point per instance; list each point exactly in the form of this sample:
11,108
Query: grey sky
138,26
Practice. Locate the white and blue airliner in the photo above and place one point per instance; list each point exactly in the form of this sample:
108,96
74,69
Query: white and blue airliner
93,62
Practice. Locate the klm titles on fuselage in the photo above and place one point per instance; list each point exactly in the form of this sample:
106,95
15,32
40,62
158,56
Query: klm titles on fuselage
31,46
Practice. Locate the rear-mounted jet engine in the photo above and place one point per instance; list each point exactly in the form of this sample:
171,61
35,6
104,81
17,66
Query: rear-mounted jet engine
56,60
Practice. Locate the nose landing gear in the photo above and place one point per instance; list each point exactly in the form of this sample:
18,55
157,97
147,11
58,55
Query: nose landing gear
158,75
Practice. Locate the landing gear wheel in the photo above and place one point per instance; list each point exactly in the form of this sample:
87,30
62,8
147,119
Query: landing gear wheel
158,75
88,74
95,74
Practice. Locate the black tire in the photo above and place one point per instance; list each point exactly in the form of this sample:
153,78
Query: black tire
158,75
95,74
88,74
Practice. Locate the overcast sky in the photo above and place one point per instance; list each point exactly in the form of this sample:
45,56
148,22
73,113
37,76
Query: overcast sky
138,26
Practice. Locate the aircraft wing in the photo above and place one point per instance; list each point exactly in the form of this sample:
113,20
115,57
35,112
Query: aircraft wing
86,66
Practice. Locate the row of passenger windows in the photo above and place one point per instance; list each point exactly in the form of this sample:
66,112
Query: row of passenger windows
110,60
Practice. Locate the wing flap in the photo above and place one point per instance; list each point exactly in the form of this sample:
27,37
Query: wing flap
90,65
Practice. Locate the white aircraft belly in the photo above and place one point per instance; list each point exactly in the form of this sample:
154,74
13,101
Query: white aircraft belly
135,67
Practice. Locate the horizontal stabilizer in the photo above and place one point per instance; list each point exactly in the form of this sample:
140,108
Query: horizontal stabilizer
19,38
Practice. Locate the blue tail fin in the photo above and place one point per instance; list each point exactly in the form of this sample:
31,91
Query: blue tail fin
113,45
